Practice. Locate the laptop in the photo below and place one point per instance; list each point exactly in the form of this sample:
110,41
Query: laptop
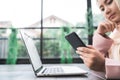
41,70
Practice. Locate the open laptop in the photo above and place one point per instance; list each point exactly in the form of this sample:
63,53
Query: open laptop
41,70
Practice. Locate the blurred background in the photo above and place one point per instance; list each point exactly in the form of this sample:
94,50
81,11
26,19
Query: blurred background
47,22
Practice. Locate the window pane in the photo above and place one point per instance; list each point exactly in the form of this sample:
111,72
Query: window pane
60,12
7,45
54,42
57,15
21,13
97,16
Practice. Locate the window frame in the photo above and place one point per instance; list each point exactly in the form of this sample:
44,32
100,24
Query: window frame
50,60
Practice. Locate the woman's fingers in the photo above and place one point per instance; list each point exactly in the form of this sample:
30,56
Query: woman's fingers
82,49
93,59
106,26
87,49
83,54
90,46
111,24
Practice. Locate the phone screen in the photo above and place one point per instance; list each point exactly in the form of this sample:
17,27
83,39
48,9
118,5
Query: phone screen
74,40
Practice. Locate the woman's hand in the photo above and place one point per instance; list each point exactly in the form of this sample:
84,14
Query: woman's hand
92,58
106,26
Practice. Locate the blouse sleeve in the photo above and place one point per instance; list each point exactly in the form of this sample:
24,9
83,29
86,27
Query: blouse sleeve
112,69
101,43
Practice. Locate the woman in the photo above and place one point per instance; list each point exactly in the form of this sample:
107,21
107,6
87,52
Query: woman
103,58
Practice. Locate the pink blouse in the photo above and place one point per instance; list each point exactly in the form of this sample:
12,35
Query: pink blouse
112,66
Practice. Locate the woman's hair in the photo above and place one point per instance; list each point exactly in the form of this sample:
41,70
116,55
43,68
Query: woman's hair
118,3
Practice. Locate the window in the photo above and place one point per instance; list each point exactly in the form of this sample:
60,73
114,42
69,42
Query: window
47,22
57,15
97,16
18,14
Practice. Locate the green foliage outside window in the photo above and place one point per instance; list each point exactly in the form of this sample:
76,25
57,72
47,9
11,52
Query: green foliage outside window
64,46
12,47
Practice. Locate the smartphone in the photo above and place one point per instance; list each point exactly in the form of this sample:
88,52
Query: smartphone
74,40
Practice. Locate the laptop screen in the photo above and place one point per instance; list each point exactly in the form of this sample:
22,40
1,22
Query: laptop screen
32,51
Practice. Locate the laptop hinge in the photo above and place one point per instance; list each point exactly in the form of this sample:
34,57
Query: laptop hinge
38,69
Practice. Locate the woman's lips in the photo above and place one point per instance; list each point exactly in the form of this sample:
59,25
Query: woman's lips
112,16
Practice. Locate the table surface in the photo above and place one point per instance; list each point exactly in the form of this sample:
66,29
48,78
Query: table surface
25,72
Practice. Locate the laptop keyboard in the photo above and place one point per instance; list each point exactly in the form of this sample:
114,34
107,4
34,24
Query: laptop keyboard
53,70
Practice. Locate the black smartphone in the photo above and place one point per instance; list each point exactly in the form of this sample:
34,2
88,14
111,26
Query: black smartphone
74,40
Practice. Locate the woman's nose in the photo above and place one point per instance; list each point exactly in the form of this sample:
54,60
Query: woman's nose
107,10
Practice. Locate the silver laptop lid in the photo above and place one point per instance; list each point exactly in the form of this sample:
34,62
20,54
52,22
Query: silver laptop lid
32,51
